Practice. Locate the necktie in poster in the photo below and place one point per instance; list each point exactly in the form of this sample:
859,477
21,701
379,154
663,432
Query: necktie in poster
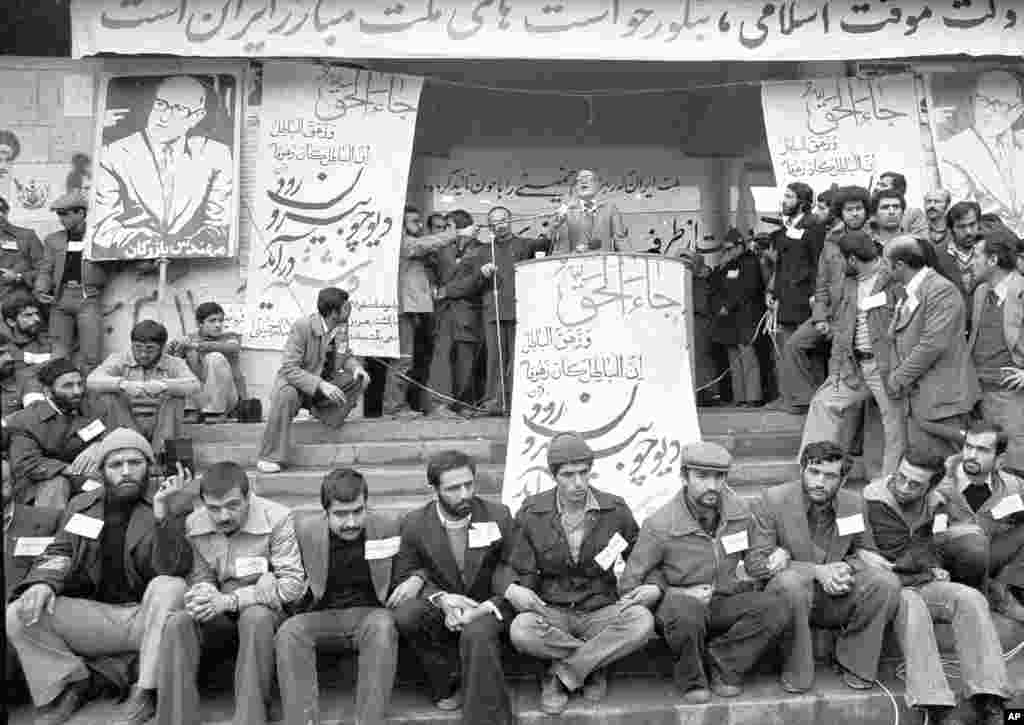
334,159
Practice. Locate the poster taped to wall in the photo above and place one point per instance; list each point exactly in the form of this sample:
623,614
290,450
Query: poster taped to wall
167,165
977,122
844,131
601,350
334,161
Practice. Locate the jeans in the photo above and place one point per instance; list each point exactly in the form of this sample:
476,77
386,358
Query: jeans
370,631
581,642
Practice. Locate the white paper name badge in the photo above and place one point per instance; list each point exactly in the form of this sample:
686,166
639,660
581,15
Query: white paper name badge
76,246
732,274
382,548
82,525
483,534
246,566
794,233
9,245
31,545
91,485
872,301
616,545
37,358
1008,506
735,543
92,430
940,523
848,525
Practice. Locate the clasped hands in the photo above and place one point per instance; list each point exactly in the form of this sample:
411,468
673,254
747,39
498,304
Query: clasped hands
143,388
204,601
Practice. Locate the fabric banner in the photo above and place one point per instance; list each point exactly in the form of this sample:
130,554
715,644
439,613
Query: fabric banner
582,29
602,350
977,122
334,162
166,173
844,131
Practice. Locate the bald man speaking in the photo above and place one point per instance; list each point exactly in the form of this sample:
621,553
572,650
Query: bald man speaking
165,190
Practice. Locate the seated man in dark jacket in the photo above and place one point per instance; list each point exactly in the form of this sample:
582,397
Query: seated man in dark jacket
572,541
23,348
105,585
904,511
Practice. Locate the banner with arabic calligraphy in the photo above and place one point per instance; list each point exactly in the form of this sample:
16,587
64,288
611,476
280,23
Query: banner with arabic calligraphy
335,150
582,29
601,350
844,131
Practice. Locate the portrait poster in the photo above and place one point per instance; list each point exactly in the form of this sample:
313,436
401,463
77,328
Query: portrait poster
977,121
844,131
167,165
335,145
601,349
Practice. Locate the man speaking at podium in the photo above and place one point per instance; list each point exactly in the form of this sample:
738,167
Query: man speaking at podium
585,225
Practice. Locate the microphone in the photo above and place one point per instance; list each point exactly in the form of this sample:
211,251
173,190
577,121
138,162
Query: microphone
773,220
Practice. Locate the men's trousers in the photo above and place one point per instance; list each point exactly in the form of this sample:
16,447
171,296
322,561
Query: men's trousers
500,336
286,402
972,558
415,347
166,423
369,631
76,318
581,642
51,650
746,374
800,372
218,394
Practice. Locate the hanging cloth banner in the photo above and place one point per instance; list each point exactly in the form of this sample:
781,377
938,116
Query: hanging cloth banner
844,131
601,350
582,29
329,200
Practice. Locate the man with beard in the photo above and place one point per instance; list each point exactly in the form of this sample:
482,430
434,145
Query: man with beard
860,364
144,388
996,344
447,599
914,221
572,540
21,253
415,312
500,322
54,441
23,348
689,553
247,567
106,585
805,348
586,225
957,255
936,204
906,513
984,544
835,577
931,365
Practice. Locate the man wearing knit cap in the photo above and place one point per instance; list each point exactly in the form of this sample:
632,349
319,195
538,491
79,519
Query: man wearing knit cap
73,285
572,545
105,585
54,441
716,620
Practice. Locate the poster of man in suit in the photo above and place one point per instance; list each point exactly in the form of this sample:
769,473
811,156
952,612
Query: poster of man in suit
977,122
166,176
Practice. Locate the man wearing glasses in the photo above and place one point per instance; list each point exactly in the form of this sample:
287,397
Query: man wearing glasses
164,190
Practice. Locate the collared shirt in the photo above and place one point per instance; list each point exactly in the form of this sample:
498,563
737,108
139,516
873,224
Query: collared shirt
862,335
121,366
329,334
573,523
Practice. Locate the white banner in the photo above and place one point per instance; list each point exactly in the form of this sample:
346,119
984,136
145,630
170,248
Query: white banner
602,350
844,131
334,162
583,29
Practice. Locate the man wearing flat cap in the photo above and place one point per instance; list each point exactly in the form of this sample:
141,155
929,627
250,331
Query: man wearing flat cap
71,284
572,545
104,586
716,620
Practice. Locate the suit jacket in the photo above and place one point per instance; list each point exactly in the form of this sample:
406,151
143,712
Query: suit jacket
601,230
741,295
930,359
828,287
842,362
461,289
50,272
962,516
780,520
20,252
25,521
305,353
425,551
313,534
1013,315
796,269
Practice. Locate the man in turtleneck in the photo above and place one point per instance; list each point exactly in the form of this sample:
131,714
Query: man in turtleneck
105,585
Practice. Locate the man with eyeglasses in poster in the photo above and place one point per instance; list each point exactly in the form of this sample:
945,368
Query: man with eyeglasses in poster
165,190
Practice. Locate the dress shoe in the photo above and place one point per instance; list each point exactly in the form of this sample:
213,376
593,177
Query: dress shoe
596,686
403,412
268,466
856,682
451,703
65,706
138,709
554,698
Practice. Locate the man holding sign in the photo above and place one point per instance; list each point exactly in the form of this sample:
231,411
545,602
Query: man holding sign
689,554
347,551
835,578
247,567
106,585
572,547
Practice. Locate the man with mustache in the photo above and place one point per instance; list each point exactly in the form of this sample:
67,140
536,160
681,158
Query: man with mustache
586,225
247,568
715,619
106,585
21,252
914,221
936,204
54,441
23,348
